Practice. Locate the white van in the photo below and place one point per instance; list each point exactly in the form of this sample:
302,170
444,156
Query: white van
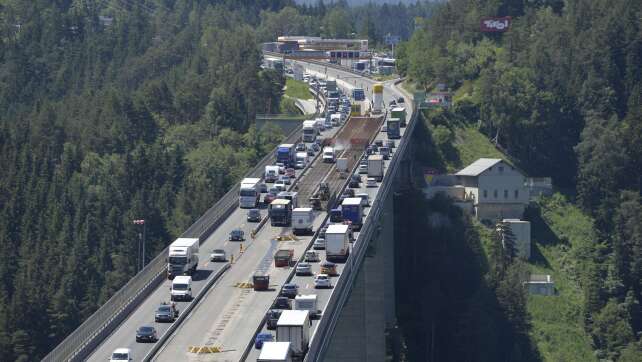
181,288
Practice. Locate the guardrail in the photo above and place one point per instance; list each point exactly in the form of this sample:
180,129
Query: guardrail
323,334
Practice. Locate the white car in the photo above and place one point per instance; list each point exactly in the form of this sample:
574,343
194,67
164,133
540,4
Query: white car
280,184
218,255
303,269
322,281
363,169
121,354
312,256
319,243
371,182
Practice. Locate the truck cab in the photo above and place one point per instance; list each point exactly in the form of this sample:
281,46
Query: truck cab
280,212
181,288
249,193
271,173
328,154
183,257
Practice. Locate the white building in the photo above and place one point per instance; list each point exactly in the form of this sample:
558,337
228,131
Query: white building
541,284
496,188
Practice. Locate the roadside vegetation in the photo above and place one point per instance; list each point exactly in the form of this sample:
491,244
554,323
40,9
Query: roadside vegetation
541,97
297,89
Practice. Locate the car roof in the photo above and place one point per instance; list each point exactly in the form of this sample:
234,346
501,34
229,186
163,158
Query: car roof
122,350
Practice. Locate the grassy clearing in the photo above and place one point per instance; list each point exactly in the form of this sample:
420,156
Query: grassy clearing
297,89
561,235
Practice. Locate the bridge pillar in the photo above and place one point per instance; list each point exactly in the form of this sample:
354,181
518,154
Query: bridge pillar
370,309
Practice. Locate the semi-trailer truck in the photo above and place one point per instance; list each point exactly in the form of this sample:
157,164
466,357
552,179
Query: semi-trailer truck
337,242
399,112
280,212
249,193
183,257
352,210
310,131
285,154
294,326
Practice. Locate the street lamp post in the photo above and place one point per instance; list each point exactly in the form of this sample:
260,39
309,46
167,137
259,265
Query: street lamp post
141,240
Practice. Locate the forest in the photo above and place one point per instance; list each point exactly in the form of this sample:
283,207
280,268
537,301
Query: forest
560,93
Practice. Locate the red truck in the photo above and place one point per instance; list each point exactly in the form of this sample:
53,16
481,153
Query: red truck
283,257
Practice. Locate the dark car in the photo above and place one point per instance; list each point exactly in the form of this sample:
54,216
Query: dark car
166,313
300,147
262,337
400,100
310,151
322,232
290,290
391,144
272,317
348,192
378,143
354,181
254,215
315,146
146,334
282,303
237,235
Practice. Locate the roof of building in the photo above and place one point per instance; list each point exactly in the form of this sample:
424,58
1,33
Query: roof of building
479,166
274,351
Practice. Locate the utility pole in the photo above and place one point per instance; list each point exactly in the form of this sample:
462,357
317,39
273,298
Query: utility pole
141,240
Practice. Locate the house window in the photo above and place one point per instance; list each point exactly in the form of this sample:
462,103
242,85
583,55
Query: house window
485,194
516,194
501,168
505,194
495,193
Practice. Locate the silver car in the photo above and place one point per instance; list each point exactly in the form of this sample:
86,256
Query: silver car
303,269
218,255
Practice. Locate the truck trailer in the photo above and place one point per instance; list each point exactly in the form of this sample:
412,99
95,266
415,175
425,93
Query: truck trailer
280,212
294,327
285,154
375,167
352,210
310,131
393,128
302,219
182,257
337,242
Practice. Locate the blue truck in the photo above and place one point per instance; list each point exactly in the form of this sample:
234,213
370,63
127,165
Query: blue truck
286,154
351,210
393,129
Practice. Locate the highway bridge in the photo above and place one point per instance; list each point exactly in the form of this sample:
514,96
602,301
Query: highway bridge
225,316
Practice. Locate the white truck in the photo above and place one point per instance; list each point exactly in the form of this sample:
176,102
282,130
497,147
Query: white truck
249,193
342,164
307,302
335,119
271,173
183,257
375,167
310,131
275,352
302,219
181,288
328,154
301,160
337,242
294,326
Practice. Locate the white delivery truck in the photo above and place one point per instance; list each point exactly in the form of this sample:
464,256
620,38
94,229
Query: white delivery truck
307,302
375,167
275,352
271,173
310,131
183,257
249,193
335,119
294,326
342,164
181,288
337,242
302,219
328,154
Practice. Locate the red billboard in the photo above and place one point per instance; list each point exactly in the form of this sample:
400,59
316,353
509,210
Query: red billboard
495,25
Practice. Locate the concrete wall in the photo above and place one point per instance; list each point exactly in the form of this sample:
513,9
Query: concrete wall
499,211
370,309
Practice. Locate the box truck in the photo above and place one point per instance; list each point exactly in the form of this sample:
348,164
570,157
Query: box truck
337,242
399,112
375,167
249,193
307,302
182,257
302,219
285,154
393,129
310,131
294,327
275,352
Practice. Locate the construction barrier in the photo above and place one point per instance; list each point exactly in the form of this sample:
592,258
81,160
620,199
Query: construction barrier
203,349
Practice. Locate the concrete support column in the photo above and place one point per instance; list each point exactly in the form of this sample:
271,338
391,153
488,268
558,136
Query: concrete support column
370,309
